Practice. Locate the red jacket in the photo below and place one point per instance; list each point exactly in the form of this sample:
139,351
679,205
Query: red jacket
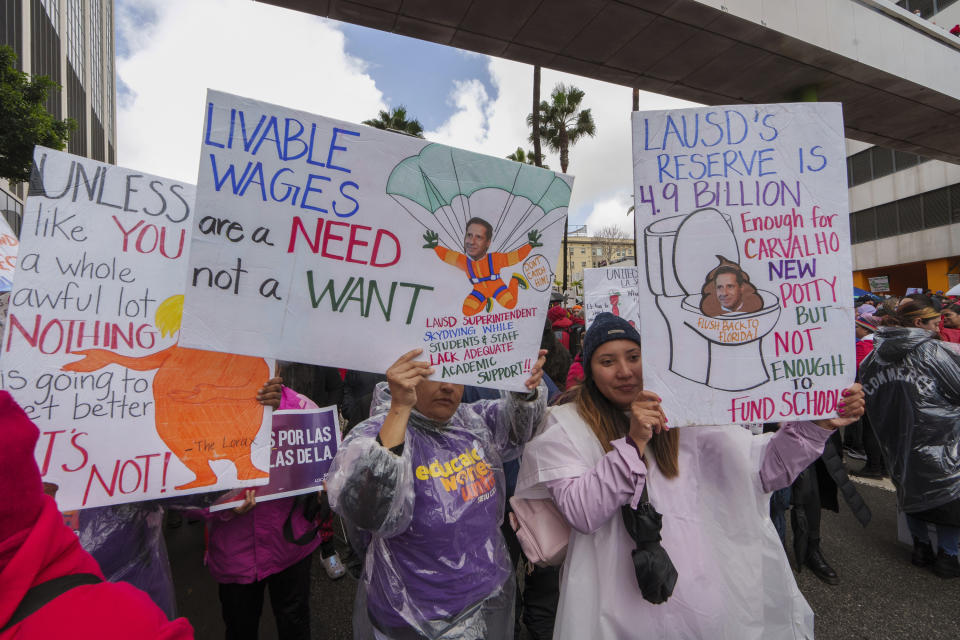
104,611
949,335
563,325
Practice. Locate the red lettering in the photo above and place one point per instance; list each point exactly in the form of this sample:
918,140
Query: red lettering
376,249
163,242
123,474
49,452
328,236
354,242
298,224
78,447
113,481
31,338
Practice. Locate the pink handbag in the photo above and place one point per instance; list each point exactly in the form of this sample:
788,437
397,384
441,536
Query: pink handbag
541,529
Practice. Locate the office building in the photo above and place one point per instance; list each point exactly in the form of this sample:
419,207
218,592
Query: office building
904,208
71,41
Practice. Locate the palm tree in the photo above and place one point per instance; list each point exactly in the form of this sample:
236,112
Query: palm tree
526,157
562,124
535,126
396,120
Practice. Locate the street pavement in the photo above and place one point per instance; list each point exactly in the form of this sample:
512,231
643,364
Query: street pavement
881,596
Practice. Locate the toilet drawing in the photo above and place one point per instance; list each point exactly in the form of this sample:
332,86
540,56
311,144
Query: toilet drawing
721,352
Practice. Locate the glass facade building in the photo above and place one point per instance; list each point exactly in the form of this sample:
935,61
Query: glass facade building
71,42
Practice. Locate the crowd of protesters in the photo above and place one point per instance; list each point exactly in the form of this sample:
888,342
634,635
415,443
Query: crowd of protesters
667,530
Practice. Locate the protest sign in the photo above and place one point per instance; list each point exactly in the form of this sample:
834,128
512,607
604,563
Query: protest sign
612,289
880,284
744,245
303,443
90,349
337,244
8,255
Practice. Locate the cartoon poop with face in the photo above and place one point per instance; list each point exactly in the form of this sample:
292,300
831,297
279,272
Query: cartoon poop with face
727,290
206,407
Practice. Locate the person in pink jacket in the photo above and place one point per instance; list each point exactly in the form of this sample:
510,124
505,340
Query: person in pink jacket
49,586
621,479
248,552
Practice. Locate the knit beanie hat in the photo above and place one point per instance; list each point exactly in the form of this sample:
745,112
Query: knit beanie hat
555,313
867,322
604,328
19,475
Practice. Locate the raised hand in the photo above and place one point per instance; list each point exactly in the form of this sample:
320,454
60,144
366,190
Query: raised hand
851,406
536,372
533,239
646,418
432,239
271,392
404,375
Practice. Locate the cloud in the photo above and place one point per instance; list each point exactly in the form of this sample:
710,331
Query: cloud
171,51
610,211
602,165
468,126
176,49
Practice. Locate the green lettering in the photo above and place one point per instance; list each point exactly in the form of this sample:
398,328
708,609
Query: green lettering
416,294
335,302
354,295
374,288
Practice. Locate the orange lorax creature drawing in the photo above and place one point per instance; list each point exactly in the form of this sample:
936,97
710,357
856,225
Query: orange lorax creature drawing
206,406
482,268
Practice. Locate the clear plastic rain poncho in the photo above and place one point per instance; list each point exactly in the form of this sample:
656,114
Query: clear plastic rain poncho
436,564
912,383
734,580
127,542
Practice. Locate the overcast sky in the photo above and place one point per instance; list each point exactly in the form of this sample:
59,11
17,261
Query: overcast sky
170,51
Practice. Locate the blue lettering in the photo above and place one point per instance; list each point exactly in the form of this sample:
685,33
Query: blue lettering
253,136
229,173
257,171
288,137
266,136
356,205
313,137
334,147
307,190
206,138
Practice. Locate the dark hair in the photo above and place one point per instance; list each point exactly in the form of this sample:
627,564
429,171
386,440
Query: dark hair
486,225
921,298
955,307
558,358
906,313
728,269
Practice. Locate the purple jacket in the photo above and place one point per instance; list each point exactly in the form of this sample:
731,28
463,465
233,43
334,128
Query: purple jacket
250,547
591,500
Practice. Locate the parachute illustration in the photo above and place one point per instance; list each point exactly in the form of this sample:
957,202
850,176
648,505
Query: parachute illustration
442,188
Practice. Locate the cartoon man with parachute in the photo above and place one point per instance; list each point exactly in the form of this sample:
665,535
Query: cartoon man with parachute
444,190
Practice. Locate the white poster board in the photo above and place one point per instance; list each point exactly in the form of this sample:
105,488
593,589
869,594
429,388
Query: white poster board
8,255
331,243
90,348
613,289
744,241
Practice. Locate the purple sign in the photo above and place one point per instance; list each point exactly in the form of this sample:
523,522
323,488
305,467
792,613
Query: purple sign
303,443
